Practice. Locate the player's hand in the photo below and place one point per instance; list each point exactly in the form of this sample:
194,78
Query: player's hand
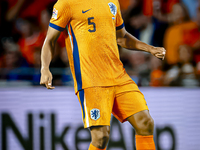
159,52
46,79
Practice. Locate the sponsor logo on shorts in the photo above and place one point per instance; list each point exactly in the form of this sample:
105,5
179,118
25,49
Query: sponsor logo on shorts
55,14
95,114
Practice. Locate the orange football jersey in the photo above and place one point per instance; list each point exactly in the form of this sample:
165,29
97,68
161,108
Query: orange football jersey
90,27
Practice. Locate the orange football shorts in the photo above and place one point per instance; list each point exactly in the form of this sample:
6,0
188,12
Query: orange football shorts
98,103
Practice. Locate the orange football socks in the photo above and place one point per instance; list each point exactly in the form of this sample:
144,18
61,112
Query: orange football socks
95,148
145,142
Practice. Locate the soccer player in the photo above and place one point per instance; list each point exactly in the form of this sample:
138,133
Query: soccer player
93,28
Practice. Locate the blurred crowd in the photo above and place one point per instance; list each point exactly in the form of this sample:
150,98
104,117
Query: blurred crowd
173,24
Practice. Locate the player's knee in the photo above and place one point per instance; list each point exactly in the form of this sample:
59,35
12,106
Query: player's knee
101,138
146,126
150,126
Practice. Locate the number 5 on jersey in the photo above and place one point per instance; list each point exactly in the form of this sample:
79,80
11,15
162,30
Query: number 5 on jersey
91,23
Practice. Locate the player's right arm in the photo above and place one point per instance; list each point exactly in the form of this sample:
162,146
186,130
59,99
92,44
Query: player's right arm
59,20
46,57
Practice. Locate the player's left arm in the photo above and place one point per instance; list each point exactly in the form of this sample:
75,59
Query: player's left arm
126,40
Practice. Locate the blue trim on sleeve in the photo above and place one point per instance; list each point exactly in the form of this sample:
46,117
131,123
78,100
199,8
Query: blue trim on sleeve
120,27
56,27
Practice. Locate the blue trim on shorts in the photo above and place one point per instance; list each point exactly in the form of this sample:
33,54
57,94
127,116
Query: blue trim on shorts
81,96
56,27
120,27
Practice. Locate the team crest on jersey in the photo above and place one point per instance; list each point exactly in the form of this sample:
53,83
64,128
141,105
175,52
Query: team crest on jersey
95,114
55,14
113,8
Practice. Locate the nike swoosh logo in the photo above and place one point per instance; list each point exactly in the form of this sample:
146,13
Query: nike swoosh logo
86,11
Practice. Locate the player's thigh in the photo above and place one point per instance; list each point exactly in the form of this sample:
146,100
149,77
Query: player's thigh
96,104
128,101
